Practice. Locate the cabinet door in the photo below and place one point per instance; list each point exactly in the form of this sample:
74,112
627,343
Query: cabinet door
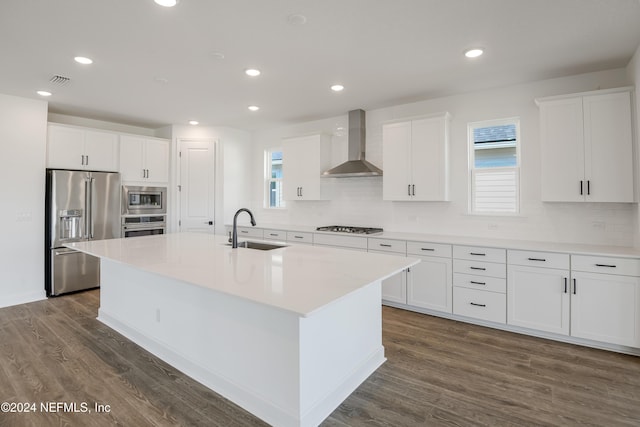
394,288
132,158
562,149
429,159
65,148
301,164
157,160
608,147
101,151
538,298
396,149
606,308
430,285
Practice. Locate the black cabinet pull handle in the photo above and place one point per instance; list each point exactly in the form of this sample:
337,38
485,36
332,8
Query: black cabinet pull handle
478,283
537,259
478,305
427,249
581,193
588,187
478,268
606,265
273,234
298,237
413,189
575,286
408,189
565,285
477,254
384,245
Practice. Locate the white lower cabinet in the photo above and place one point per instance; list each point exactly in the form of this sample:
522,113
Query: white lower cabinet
394,288
429,284
538,298
483,305
606,307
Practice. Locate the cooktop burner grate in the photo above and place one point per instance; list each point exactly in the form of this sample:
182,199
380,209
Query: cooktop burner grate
350,229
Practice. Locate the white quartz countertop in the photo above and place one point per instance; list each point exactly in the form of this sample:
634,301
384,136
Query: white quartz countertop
297,278
527,245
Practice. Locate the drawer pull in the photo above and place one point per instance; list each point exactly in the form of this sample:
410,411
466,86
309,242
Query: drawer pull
537,259
565,285
384,245
478,305
427,249
244,231
575,287
273,234
477,254
606,265
298,237
478,268
478,283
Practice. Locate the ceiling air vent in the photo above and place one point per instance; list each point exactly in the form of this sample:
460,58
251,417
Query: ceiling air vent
59,80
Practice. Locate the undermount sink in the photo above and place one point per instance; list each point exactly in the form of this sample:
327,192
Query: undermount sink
258,245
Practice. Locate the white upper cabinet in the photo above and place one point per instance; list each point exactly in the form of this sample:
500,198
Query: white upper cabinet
303,161
144,160
70,147
587,147
415,158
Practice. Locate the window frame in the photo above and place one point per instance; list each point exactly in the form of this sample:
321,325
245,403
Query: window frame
268,163
471,205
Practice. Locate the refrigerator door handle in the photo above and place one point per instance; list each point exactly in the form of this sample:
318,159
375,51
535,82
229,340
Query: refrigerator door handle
91,191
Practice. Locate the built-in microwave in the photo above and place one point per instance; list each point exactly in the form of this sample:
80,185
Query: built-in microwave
138,200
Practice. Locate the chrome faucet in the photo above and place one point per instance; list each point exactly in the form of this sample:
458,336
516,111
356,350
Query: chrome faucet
234,238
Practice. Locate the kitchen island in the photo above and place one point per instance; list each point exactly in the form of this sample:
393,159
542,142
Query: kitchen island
287,333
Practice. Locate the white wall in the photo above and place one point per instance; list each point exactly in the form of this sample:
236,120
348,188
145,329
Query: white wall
233,174
358,201
23,135
633,75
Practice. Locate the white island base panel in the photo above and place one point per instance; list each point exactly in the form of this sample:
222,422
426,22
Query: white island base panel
286,369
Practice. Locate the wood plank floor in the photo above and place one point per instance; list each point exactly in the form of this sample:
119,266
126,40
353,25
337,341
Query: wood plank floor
439,372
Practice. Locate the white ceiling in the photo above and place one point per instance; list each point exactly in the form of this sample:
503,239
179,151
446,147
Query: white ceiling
155,66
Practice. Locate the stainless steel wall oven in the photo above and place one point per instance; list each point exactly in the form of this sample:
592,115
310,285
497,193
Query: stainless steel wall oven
138,200
143,225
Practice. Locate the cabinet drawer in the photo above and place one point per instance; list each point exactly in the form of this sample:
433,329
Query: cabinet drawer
429,249
477,268
296,236
482,305
387,245
352,242
250,232
478,253
608,265
275,234
539,259
493,284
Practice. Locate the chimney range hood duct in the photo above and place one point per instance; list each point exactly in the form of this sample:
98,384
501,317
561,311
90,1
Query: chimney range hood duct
356,166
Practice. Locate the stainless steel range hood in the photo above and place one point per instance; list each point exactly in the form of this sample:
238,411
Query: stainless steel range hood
356,165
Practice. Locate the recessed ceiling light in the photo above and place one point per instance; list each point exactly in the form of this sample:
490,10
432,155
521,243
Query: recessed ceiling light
337,88
296,19
43,93
252,72
253,107
473,53
167,3
83,60
194,122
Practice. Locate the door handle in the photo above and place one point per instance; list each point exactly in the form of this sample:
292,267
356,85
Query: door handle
413,189
408,189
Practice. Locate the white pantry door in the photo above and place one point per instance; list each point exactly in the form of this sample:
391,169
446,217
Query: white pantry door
196,186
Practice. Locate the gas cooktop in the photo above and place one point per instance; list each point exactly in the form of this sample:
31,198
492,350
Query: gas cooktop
349,229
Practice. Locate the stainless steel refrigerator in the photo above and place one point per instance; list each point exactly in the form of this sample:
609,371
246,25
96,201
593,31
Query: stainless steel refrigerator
80,205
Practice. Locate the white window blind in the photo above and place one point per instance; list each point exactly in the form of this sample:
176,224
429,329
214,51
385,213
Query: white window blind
495,190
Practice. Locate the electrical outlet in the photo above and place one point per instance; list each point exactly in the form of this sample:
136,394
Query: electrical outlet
24,217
